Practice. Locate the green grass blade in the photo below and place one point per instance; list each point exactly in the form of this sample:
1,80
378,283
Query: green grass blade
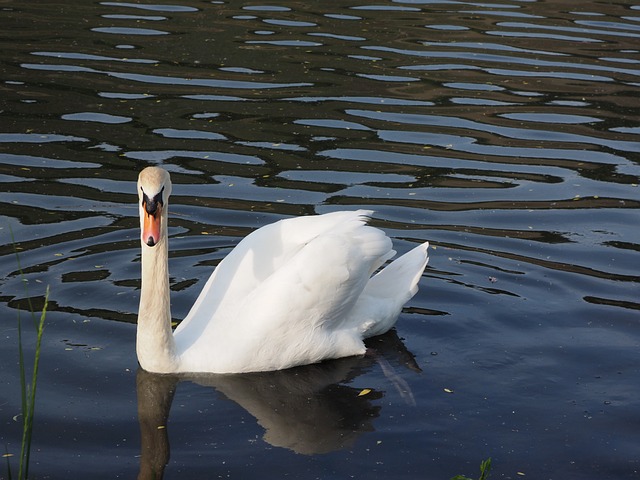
34,378
24,397
485,468
7,456
27,390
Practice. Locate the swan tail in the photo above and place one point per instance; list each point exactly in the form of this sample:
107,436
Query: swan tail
400,278
388,291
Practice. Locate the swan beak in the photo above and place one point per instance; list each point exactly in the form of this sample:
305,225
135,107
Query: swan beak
151,226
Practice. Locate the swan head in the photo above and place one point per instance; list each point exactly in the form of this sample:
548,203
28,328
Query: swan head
154,188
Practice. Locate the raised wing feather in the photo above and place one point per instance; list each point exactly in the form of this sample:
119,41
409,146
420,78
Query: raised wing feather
288,287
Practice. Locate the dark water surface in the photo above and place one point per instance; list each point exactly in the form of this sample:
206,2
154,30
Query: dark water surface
507,133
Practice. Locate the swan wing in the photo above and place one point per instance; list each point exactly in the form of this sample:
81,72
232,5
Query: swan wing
258,256
285,295
387,291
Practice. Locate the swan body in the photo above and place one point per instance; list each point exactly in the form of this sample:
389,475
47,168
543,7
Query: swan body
295,292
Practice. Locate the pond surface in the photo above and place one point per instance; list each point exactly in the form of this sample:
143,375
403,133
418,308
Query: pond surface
505,133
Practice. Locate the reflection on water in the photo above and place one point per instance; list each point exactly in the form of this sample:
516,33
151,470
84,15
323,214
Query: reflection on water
308,410
506,133
155,395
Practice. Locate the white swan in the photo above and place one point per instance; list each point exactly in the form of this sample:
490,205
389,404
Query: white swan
295,292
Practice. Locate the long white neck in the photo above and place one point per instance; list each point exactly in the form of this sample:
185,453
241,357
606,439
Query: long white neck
155,345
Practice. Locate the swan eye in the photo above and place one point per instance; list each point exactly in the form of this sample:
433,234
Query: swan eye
151,204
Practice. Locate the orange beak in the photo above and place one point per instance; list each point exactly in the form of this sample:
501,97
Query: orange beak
151,227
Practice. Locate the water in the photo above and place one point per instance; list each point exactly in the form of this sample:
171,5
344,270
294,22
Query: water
506,133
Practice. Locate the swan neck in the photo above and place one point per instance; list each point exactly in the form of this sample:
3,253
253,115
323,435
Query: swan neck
155,344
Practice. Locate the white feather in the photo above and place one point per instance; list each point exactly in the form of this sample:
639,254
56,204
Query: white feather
295,292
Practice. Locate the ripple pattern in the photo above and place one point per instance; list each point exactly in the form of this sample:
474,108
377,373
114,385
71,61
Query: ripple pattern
507,134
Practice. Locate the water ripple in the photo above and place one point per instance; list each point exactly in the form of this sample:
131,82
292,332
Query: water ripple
506,134
462,55
505,131
156,79
155,8
84,56
522,26
129,31
95,117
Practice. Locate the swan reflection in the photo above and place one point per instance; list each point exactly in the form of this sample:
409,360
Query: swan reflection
308,410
